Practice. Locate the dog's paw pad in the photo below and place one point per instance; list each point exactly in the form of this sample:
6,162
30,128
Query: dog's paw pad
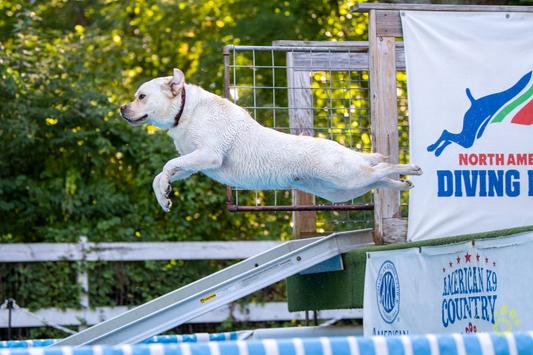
168,191
166,205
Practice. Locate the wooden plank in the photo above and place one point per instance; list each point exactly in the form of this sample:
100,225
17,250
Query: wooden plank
279,311
384,119
319,61
394,230
39,252
304,222
253,312
82,276
21,317
367,6
29,252
299,96
400,56
388,15
352,45
389,24
226,52
178,250
301,123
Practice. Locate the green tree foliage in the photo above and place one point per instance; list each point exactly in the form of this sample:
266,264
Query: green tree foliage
69,166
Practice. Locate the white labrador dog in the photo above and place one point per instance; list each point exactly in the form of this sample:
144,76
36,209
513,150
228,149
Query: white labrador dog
221,140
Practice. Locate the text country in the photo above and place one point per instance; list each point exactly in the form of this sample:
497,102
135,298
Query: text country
469,307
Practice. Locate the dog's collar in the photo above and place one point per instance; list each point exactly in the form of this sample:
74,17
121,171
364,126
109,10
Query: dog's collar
178,115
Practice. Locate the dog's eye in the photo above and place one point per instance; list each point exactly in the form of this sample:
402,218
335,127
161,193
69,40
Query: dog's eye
142,96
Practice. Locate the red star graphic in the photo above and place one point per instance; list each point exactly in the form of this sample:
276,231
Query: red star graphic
477,257
494,263
486,260
467,257
458,260
451,264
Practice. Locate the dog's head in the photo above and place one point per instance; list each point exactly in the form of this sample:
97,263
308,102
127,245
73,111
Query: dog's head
156,102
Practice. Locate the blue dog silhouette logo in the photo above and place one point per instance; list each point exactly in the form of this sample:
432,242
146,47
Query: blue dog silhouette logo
388,292
492,108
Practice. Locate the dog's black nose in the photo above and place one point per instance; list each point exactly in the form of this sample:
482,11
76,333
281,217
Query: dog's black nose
122,108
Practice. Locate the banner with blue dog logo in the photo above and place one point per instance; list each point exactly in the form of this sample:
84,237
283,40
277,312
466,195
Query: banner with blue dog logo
462,288
470,87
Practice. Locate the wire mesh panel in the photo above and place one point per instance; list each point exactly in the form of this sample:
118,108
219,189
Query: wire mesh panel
320,91
403,131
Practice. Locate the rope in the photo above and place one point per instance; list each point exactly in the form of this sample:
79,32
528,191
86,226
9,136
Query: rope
43,321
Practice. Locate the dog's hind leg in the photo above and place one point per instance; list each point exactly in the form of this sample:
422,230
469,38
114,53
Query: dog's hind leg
434,146
389,183
465,139
385,169
346,185
442,138
374,158
349,194
441,148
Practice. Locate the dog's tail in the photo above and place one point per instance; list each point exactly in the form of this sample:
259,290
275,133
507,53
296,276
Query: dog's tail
375,158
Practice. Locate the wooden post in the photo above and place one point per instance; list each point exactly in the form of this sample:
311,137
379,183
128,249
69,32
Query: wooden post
83,280
301,122
384,120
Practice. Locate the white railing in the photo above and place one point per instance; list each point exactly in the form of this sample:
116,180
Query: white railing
131,251
85,251
252,312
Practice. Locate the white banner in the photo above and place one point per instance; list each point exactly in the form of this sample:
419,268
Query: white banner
470,91
459,288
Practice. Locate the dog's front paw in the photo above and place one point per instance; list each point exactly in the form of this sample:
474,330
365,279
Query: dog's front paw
162,195
164,184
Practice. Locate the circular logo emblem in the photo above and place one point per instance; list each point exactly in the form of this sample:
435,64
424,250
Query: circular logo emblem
388,292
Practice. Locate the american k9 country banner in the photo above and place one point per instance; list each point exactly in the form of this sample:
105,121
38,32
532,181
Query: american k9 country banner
460,288
470,87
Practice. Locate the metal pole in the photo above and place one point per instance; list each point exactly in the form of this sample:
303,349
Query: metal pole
9,305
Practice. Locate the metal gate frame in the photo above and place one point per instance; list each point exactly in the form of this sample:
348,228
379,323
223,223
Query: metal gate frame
302,58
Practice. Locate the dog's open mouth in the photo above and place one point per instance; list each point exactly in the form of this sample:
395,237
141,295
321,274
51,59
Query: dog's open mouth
139,120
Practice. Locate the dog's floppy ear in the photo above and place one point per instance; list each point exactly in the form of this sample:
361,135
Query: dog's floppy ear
177,82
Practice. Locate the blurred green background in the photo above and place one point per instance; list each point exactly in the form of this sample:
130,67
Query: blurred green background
69,166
